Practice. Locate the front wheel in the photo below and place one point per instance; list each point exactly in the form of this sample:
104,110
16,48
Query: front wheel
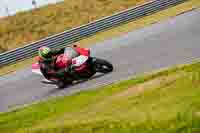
103,66
61,84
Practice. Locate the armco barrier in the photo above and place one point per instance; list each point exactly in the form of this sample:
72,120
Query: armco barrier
76,34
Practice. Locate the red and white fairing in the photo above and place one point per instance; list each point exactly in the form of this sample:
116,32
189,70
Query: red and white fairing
62,61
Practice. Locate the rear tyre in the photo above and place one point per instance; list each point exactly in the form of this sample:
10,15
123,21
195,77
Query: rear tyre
103,66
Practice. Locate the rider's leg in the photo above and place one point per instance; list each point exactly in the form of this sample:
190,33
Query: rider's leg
71,71
58,76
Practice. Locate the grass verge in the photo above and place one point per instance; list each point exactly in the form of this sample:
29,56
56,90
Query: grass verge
166,101
139,23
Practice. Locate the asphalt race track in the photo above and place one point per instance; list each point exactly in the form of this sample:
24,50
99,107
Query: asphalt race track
164,44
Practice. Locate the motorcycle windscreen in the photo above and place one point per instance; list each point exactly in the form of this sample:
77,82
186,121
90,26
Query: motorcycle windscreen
70,53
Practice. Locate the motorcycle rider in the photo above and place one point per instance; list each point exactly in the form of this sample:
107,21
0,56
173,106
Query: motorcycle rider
46,59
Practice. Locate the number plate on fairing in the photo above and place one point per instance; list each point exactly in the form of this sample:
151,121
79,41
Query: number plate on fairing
79,60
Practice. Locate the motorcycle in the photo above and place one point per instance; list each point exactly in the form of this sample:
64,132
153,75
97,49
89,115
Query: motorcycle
85,66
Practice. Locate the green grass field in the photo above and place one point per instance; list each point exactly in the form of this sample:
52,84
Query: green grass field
26,27
167,101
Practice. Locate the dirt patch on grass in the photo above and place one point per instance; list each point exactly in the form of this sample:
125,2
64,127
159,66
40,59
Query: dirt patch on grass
158,82
152,84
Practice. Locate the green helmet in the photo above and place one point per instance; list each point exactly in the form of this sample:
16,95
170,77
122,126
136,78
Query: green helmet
44,53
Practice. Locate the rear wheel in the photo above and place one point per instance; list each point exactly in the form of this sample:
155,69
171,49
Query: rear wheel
103,66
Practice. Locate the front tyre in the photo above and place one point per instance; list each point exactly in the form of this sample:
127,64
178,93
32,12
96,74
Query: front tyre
61,84
103,66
